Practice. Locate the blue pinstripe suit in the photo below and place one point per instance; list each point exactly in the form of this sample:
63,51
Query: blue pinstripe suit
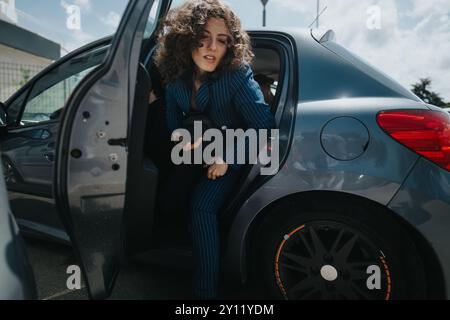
236,101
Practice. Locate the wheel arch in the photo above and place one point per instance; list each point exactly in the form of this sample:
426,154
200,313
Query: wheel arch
314,200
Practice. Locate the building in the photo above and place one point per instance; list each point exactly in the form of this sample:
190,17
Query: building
22,52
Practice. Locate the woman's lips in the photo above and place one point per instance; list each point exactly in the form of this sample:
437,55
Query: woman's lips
210,59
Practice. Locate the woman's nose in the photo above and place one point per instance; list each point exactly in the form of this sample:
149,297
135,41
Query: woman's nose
212,44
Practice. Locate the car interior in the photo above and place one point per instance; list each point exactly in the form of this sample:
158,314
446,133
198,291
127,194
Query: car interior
150,152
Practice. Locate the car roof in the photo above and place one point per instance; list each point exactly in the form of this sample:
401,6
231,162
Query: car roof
299,34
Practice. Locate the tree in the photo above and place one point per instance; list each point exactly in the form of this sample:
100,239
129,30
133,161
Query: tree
423,91
25,75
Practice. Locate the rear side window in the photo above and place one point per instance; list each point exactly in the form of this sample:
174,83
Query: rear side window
368,69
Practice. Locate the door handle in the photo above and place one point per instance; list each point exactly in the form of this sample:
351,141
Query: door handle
50,156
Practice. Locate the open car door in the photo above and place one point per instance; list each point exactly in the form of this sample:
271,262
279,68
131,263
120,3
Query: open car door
92,153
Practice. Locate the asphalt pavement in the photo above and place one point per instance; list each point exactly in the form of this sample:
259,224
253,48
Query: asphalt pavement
139,279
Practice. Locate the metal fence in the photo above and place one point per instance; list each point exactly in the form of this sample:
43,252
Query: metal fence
41,106
14,75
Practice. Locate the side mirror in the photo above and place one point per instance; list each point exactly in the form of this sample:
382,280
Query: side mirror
3,116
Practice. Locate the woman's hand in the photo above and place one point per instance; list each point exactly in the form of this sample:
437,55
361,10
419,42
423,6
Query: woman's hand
152,97
192,146
217,170
177,137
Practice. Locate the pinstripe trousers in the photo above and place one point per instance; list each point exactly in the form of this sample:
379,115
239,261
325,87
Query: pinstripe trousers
188,186
208,198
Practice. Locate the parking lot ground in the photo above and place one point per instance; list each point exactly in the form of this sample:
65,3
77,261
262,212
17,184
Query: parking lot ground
139,279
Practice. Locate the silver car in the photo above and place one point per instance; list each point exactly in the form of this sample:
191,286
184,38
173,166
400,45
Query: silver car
16,274
359,208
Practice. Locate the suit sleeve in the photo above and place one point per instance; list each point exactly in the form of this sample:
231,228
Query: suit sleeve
174,115
249,103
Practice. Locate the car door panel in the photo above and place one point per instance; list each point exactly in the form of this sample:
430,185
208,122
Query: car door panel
30,193
28,150
16,274
92,158
29,145
33,158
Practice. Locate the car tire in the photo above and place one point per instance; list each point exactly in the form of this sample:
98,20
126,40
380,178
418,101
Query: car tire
336,251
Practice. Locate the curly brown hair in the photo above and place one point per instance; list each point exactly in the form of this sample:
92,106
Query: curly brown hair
181,33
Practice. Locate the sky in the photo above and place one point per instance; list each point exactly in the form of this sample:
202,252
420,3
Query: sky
407,39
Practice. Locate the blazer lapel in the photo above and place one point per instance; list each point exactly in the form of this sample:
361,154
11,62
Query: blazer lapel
184,97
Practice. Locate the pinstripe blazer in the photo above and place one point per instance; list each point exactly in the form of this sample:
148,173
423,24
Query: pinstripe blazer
235,99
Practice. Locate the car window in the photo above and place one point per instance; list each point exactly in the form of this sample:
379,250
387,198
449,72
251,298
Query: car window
35,34
49,103
59,28
152,23
50,93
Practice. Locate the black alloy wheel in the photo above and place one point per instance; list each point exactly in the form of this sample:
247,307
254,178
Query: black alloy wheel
330,260
336,252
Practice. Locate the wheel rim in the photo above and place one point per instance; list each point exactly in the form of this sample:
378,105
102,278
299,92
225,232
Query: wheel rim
8,172
331,260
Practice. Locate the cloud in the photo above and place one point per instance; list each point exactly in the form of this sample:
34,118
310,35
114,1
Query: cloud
413,42
111,20
84,4
77,39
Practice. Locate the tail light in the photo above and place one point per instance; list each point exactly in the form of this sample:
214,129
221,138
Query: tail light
423,131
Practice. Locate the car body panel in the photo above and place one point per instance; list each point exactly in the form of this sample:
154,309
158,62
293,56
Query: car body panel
424,202
309,168
16,275
32,151
376,175
92,156
37,216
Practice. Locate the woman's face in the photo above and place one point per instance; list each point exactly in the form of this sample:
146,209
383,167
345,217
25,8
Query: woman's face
213,46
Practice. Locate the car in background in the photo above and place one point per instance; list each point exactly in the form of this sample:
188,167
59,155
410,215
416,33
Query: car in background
362,190
16,274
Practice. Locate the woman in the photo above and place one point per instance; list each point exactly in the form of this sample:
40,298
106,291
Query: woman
204,57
